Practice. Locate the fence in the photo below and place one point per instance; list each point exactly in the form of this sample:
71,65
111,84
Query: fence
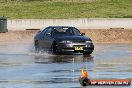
100,23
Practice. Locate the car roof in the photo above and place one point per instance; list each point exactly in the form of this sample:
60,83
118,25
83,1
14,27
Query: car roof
60,26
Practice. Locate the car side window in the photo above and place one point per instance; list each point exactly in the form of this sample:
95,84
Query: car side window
43,32
47,33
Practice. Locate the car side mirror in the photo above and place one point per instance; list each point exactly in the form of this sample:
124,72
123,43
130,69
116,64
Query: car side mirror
82,33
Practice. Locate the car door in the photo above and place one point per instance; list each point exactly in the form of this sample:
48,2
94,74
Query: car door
46,40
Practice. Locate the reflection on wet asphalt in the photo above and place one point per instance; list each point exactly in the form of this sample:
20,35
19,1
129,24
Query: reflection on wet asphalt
20,67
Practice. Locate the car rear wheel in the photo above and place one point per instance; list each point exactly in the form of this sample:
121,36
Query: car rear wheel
36,46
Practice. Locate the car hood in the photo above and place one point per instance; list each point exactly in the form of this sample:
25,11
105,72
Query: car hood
84,38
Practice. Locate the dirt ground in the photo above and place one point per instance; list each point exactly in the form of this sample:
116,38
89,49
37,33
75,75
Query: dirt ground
97,35
110,35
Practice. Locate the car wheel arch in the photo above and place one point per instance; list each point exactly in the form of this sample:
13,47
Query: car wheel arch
36,41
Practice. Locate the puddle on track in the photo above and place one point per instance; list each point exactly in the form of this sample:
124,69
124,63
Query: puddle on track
20,67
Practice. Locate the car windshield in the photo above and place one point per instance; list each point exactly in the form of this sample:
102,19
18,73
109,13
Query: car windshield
64,31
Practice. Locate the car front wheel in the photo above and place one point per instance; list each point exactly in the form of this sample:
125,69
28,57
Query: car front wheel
55,49
87,53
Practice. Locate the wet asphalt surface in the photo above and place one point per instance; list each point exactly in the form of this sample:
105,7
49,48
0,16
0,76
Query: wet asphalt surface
20,67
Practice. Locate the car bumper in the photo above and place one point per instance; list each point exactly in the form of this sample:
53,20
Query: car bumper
70,48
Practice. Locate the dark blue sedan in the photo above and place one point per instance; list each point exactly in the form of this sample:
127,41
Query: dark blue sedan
63,40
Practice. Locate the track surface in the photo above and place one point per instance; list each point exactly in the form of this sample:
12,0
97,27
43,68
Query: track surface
20,67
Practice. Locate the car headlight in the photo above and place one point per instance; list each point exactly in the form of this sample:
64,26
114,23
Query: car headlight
88,41
66,41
